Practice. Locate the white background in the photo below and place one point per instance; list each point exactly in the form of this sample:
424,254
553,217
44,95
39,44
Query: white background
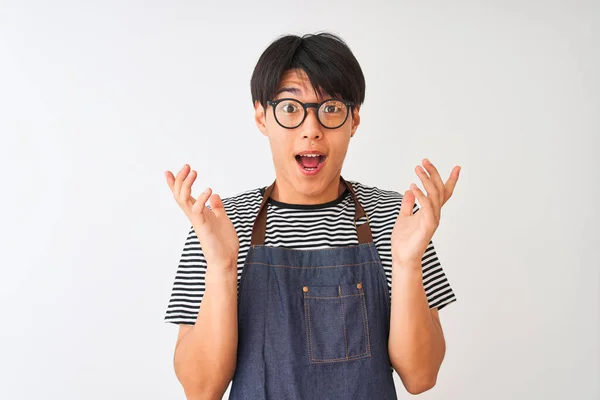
97,99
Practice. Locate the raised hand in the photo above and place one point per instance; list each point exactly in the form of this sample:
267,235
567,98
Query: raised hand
216,233
413,232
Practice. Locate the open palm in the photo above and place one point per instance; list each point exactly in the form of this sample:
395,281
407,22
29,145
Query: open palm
216,233
413,231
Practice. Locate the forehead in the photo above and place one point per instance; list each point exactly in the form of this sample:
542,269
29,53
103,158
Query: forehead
295,82
296,77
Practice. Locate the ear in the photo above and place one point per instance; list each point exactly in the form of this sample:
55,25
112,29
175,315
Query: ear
355,118
260,117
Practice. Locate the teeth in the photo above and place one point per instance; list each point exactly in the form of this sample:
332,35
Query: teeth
310,155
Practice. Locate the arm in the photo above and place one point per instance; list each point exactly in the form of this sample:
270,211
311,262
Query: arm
416,343
205,354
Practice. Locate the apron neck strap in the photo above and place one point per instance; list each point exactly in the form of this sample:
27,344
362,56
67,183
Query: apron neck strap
260,224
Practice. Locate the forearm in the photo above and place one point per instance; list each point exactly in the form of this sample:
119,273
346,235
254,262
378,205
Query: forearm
416,344
206,356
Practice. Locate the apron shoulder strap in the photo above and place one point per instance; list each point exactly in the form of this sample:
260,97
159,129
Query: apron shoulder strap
260,223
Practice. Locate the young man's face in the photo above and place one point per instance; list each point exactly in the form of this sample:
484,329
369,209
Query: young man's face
306,178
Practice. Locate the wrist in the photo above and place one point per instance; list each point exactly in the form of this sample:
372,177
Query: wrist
222,271
407,265
404,273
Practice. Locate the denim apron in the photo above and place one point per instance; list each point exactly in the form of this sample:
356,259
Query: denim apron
313,324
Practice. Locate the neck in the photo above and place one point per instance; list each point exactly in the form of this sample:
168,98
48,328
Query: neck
284,192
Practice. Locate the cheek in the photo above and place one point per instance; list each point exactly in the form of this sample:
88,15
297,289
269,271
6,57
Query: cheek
281,145
340,144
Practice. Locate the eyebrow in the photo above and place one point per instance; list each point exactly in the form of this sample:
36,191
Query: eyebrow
292,90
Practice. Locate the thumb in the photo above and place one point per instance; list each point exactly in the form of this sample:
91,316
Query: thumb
216,205
408,202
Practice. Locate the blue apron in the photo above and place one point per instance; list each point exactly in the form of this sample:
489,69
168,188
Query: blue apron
313,324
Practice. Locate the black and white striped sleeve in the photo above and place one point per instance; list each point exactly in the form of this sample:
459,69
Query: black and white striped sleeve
189,285
437,287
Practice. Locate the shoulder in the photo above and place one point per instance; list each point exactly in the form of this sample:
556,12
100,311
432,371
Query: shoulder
379,202
375,197
243,199
242,207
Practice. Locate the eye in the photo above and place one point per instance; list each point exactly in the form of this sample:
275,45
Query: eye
331,109
289,108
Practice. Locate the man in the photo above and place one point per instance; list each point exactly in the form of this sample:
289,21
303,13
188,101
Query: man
313,257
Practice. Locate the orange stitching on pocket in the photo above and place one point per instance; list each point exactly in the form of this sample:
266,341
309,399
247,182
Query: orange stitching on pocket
351,358
365,322
366,333
332,297
308,334
343,319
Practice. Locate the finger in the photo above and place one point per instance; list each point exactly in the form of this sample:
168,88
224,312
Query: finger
435,177
216,205
408,203
451,183
170,179
183,172
432,191
186,188
200,204
426,205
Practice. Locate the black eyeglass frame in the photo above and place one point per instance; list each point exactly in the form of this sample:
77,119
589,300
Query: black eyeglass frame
316,106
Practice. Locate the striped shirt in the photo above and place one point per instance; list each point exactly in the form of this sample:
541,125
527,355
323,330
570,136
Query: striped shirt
303,227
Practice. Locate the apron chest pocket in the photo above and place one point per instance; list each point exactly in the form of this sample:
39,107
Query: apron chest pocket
337,324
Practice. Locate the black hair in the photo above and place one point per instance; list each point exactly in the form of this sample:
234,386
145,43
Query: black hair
324,57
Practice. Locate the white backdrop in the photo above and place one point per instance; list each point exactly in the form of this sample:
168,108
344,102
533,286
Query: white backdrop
98,98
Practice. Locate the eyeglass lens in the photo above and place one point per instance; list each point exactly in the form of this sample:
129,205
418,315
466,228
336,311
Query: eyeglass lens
332,113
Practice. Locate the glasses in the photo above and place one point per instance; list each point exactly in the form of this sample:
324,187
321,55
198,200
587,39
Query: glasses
291,113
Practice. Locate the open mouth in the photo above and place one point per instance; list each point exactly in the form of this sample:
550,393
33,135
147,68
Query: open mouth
310,162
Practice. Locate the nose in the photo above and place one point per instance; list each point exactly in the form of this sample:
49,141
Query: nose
311,128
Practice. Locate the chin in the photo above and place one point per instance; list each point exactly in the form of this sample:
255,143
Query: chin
312,185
